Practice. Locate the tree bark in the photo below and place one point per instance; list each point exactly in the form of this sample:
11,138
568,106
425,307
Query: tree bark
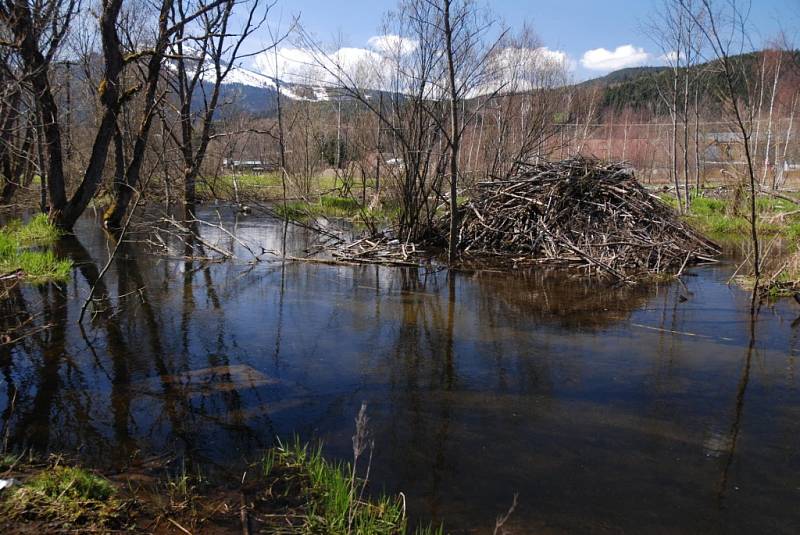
112,219
109,92
454,135
37,68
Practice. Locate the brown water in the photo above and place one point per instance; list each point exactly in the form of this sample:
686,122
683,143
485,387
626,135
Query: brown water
662,409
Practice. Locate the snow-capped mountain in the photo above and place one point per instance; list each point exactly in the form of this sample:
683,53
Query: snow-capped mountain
257,93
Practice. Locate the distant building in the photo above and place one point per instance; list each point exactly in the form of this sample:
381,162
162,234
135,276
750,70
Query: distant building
253,166
392,162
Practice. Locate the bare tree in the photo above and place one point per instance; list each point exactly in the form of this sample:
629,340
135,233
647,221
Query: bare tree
725,34
38,32
203,54
670,31
279,110
777,63
16,139
127,178
525,109
440,55
408,70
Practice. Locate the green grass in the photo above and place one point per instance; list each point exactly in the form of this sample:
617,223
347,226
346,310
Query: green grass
703,206
774,205
269,186
793,230
295,210
335,504
266,185
718,219
22,247
67,495
37,231
344,204
327,206
7,461
333,207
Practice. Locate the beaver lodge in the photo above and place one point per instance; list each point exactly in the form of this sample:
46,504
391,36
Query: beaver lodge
584,213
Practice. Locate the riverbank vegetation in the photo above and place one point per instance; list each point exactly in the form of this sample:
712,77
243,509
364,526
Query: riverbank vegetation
293,489
24,252
724,217
59,498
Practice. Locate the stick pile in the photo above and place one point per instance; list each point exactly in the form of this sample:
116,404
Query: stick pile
379,250
580,212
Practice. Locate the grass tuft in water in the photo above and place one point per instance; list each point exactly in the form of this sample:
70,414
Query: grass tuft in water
66,495
328,206
8,461
183,491
344,204
430,530
335,207
37,231
22,249
335,502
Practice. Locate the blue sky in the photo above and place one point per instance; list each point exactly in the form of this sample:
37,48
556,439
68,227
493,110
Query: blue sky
571,26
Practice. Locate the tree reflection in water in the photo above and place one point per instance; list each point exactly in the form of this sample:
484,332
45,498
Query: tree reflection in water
576,395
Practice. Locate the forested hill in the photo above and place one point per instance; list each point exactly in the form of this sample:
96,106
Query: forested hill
624,75
643,87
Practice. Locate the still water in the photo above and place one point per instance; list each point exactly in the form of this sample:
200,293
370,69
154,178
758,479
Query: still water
659,409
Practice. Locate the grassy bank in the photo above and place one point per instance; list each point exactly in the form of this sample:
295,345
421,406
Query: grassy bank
778,221
292,490
265,186
334,207
269,186
23,249
60,498
334,499
325,198
725,221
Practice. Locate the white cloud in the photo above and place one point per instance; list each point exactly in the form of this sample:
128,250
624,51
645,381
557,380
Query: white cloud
521,69
557,58
669,57
392,44
512,60
293,65
376,67
601,59
303,66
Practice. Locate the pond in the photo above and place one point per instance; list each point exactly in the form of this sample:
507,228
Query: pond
662,408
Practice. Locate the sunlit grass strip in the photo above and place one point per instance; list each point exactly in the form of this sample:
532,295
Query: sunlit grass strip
17,241
720,219
331,207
